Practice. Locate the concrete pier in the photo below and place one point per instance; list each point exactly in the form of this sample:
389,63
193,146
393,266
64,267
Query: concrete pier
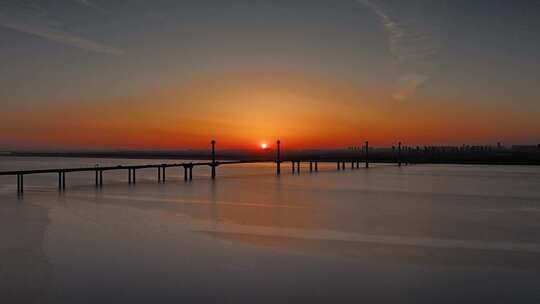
20,183
163,176
278,157
367,154
213,165
188,167
399,154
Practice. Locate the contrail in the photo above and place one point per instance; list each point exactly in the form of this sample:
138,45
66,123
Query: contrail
32,19
413,47
62,37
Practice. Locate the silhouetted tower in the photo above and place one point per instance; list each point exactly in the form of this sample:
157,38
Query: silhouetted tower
278,157
213,158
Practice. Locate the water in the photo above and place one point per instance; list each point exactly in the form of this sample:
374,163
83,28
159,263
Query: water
415,234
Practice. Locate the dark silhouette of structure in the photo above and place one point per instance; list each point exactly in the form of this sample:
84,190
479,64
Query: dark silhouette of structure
464,154
278,157
188,168
213,142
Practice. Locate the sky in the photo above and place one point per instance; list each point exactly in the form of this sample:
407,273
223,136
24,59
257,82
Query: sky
171,74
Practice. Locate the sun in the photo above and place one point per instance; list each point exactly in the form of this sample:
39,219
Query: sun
264,146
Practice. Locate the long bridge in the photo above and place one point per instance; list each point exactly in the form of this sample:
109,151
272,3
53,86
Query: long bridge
188,167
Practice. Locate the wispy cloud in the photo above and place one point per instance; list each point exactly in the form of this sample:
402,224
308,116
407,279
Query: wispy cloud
413,46
85,2
407,84
90,4
62,37
29,18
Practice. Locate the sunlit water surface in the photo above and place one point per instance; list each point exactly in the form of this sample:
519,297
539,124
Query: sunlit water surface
415,234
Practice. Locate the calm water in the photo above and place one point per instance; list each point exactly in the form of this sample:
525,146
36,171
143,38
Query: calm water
416,234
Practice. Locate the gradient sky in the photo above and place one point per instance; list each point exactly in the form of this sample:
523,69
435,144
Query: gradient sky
133,74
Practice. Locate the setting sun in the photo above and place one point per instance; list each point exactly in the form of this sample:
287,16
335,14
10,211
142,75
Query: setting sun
264,146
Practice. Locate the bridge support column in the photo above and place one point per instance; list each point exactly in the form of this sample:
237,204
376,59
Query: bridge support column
293,166
213,142
191,172
185,173
316,166
298,167
129,176
310,166
399,154
278,158
163,173
100,178
134,176
20,183
159,175
367,154
63,180
97,178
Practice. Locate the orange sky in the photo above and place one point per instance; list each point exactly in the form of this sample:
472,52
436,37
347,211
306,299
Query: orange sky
175,74
246,110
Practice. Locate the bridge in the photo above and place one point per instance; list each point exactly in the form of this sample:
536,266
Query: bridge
188,167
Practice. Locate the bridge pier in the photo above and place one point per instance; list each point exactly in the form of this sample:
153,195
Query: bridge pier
298,166
129,176
213,142
61,180
399,154
316,166
100,178
185,173
293,166
190,172
20,183
367,154
278,158
163,168
159,175
310,166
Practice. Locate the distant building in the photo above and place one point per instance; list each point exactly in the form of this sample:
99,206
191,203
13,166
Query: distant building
526,148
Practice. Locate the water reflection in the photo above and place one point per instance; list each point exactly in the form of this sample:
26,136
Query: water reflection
25,272
433,234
